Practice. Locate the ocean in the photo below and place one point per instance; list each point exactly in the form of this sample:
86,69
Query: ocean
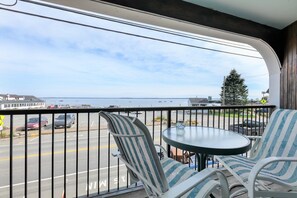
116,102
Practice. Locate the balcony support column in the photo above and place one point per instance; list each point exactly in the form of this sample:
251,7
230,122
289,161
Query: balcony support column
289,69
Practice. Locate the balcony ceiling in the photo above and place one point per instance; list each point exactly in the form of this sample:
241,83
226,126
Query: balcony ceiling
274,13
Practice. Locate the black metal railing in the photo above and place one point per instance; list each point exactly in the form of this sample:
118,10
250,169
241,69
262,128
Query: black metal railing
76,161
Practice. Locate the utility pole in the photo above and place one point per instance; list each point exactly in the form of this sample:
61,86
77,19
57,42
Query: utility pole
1,124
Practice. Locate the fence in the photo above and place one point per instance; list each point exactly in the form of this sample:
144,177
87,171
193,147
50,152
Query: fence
76,160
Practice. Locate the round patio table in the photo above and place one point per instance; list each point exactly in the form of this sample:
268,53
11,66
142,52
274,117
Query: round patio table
204,141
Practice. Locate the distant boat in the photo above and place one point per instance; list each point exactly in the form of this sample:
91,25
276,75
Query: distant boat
113,106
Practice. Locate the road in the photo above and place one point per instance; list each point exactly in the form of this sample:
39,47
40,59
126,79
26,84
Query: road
98,179
117,178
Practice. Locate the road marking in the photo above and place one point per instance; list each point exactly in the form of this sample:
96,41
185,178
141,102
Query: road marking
60,176
59,152
62,140
33,139
92,123
103,183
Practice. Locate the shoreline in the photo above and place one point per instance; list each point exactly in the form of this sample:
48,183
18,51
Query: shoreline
106,102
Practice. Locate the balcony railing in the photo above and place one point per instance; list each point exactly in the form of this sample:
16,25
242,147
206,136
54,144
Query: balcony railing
76,161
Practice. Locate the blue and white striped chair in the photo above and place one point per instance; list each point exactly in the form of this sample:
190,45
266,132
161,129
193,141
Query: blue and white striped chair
273,159
161,176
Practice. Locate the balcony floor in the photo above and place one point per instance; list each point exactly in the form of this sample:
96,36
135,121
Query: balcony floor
231,180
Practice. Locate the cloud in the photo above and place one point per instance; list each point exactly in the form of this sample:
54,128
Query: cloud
60,59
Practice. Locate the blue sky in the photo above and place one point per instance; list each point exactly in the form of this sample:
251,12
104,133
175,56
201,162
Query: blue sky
48,58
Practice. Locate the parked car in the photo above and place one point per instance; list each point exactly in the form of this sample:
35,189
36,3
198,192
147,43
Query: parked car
33,123
262,110
58,107
252,123
248,127
60,121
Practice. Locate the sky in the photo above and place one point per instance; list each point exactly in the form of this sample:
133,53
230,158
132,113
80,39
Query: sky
48,58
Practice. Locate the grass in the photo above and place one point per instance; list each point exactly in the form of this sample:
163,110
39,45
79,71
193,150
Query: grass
158,119
3,134
248,114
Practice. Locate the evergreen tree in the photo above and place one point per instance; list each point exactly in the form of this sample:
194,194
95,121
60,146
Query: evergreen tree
234,92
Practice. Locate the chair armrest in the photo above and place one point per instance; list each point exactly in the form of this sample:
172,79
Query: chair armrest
133,176
253,137
185,186
255,145
160,148
259,166
115,153
138,174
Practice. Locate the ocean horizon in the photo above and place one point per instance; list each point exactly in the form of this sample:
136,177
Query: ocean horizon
115,101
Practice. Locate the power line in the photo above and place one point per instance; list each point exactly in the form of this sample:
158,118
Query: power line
129,34
13,4
138,25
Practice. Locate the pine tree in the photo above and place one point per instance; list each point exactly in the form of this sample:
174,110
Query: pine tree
235,92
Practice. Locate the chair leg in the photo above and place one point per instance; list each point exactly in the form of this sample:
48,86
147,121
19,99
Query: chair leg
238,192
235,185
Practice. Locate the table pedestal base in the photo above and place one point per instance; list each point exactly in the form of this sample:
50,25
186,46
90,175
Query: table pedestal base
202,159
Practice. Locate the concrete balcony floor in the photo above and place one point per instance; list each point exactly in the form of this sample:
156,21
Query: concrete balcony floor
141,193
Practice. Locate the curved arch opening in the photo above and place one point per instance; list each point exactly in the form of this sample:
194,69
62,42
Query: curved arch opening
268,54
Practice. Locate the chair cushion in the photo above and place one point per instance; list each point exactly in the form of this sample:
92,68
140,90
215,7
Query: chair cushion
242,167
239,165
176,172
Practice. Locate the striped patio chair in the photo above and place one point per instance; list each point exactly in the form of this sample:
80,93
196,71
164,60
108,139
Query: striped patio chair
161,176
273,159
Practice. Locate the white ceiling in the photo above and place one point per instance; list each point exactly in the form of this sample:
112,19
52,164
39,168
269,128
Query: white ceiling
274,13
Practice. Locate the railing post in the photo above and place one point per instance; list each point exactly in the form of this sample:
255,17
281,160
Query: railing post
11,157
168,126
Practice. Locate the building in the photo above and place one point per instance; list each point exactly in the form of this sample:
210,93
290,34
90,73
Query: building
198,102
11,101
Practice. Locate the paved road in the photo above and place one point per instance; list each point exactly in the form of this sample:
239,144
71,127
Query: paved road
118,174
